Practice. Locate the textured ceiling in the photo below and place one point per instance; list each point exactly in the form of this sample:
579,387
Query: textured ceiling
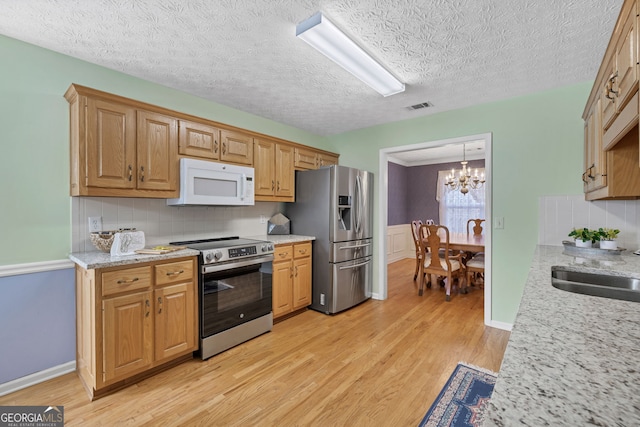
244,54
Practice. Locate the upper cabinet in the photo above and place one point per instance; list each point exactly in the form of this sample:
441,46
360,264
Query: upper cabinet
274,171
612,155
309,158
121,147
237,147
199,140
120,150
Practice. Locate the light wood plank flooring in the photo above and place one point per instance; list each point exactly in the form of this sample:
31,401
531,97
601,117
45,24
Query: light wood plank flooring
381,363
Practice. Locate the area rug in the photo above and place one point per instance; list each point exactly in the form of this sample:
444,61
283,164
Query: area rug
464,398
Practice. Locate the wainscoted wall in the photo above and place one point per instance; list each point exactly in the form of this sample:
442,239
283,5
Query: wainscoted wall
399,243
559,214
162,224
37,311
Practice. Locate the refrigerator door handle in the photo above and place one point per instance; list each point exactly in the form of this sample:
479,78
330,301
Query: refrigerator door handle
355,265
358,204
355,246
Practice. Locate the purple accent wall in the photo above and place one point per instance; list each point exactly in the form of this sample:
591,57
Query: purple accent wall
398,190
412,191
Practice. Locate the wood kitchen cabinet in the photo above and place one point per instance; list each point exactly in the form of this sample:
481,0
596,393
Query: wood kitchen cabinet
274,173
120,150
611,143
308,158
199,140
237,147
291,278
133,321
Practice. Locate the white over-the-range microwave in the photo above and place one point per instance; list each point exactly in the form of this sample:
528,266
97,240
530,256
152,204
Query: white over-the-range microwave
211,183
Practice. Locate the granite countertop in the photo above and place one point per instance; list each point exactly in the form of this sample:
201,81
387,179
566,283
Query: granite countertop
571,359
95,259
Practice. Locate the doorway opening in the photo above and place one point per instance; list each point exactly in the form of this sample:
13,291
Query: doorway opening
408,150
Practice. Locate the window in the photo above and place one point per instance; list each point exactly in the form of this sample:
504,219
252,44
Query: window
457,208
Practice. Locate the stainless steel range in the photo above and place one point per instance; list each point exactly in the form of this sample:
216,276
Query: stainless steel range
234,291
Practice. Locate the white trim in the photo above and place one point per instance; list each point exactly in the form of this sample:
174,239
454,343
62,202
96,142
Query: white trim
501,325
34,267
382,210
37,378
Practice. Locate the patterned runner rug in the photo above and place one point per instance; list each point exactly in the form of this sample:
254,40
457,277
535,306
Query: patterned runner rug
464,398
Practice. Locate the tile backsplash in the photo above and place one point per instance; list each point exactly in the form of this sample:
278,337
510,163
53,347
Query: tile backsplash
559,214
162,224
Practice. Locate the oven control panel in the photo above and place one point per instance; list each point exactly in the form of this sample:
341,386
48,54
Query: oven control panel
240,252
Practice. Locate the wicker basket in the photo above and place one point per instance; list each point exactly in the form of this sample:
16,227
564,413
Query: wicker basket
103,240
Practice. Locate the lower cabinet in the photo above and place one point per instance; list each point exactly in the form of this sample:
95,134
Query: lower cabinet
291,278
133,321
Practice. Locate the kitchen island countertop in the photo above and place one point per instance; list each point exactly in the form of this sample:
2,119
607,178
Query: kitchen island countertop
571,359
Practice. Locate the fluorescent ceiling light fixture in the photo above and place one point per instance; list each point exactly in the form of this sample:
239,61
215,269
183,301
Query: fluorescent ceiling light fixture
320,33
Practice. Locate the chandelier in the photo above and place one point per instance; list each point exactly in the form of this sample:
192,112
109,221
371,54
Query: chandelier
464,180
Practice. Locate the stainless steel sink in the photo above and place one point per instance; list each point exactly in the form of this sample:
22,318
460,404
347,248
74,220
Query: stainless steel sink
599,285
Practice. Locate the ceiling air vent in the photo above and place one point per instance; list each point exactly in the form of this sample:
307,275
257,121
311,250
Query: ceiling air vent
419,106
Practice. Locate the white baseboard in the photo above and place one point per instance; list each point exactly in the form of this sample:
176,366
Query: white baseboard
501,325
37,378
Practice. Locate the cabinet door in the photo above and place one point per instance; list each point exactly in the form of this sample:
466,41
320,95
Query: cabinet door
608,98
127,330
284,172
111,145
305,159
301,282
282,288
199,140
626,62
175,330
264,164
236,147
327,160
157,152
595,157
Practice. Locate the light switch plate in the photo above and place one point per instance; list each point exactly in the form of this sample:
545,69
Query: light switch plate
498,222
95,224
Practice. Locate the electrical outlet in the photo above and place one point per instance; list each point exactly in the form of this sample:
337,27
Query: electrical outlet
263,219
95,224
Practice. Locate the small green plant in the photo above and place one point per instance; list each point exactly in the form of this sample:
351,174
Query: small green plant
608,233
585,234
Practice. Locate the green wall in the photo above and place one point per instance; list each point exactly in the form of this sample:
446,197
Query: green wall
537,150
35,213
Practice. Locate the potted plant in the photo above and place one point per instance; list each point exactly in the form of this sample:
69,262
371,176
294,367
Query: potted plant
608,238
584,237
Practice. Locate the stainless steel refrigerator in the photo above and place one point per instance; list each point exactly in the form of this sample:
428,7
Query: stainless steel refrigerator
334,204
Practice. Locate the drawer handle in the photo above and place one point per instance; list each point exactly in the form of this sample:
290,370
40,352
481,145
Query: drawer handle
174,273
124,282
302,251
283,254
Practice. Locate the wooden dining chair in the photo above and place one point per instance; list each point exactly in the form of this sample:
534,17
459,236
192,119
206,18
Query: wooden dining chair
475,268
477,228
415,229
436,262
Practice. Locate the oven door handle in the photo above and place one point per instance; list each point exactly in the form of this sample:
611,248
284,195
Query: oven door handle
221,267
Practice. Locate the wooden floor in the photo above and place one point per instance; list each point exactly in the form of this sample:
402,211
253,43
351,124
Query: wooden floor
381,363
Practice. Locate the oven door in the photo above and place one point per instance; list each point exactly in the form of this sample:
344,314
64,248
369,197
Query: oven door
232,295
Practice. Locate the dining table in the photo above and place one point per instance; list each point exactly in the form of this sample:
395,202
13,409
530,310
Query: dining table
466,242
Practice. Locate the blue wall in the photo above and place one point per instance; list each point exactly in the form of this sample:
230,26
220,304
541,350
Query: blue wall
37,322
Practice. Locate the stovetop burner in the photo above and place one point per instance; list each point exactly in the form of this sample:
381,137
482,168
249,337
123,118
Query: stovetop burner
222,249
